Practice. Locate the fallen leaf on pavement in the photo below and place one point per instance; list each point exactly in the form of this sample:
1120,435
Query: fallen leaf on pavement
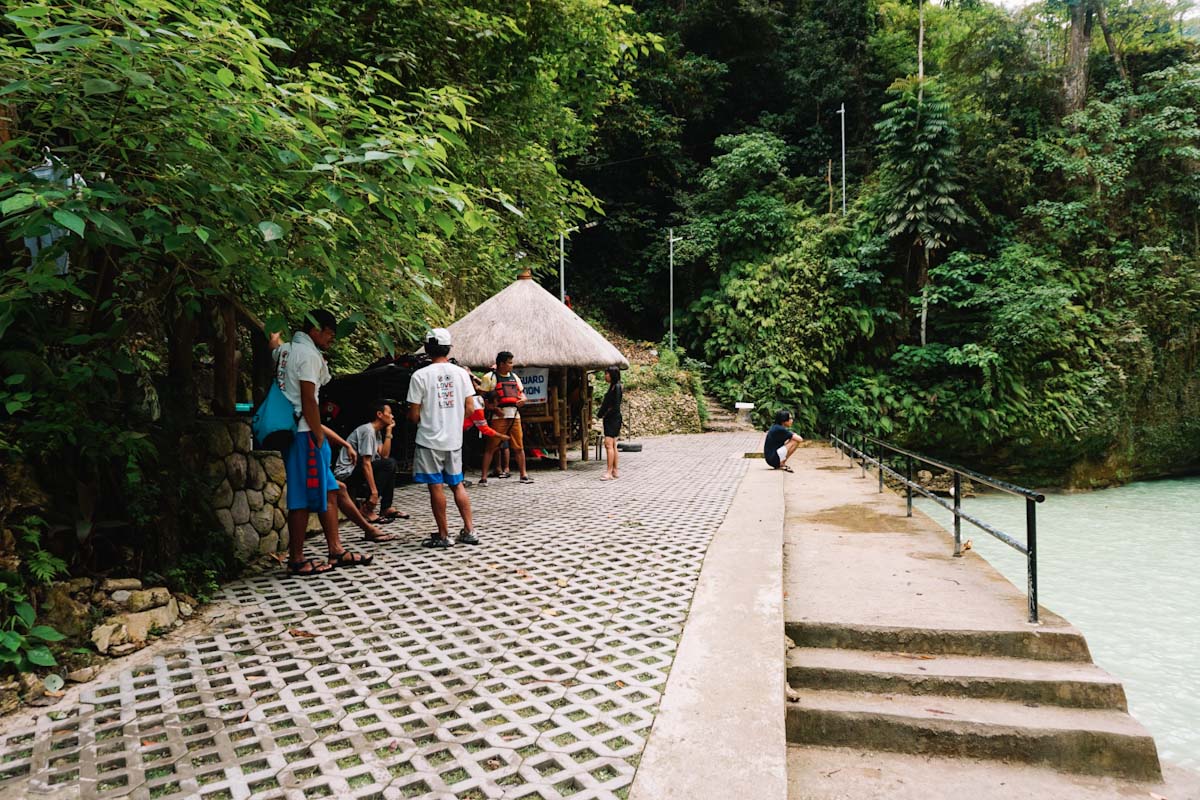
299,634
938,711
523,574
1157,796
394,745
792,695
562,582
550,612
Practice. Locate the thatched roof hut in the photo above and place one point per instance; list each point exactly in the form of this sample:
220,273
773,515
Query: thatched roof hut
536,327
544,337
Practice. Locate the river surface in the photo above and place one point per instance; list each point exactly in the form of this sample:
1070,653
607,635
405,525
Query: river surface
1123,565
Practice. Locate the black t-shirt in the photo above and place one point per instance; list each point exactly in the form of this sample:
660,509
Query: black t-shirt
611,404
777,437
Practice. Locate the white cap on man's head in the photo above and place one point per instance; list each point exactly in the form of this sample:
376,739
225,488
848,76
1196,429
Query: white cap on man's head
439,335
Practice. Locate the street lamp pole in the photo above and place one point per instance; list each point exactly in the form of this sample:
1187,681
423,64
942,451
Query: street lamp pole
671,240
842,113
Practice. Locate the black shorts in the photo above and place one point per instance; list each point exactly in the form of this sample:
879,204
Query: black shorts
612,426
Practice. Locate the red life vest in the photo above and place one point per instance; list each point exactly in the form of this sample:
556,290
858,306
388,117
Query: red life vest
507,389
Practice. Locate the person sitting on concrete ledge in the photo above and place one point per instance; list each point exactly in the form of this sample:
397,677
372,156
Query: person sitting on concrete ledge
781,441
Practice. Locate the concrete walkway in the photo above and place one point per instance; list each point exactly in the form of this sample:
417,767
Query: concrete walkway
532,666
907,655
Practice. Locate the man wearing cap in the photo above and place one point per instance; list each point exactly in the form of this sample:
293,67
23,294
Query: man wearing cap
440,399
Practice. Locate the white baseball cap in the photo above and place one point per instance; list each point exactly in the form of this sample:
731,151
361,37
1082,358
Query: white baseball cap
439,335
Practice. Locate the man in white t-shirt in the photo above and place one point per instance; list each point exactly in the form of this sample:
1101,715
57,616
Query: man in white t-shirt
311,485
440,398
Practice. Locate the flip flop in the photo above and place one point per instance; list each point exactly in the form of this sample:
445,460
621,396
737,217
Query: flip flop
394,515
348,559
297,568
786,468
383,537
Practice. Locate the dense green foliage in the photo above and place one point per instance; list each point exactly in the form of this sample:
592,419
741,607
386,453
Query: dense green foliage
1013,284
1017,280
386,160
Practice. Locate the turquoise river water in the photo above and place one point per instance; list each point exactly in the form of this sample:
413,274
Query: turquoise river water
1123,565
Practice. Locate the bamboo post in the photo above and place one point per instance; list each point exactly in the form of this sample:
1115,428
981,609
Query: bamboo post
564,428
585,413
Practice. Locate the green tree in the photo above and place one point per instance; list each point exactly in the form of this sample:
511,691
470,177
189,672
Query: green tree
918,201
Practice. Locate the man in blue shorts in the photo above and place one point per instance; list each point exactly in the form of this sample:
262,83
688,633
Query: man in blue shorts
301,373
781,442
440,399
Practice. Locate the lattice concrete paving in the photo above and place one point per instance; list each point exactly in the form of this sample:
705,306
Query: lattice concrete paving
528,667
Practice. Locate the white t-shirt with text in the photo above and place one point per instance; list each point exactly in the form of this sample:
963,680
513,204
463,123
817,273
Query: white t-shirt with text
443,390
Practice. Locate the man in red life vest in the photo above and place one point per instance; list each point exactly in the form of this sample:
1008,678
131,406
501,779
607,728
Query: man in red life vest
510,396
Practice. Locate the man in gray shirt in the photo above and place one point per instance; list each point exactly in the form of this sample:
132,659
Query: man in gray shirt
374,468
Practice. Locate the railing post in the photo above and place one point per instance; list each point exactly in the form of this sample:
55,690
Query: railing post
1031,550
908,486
862,450
880,452
957,518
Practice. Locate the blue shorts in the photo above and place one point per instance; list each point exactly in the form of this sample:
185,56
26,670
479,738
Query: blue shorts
309,478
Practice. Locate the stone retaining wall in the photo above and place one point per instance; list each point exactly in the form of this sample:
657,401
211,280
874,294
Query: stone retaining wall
248,487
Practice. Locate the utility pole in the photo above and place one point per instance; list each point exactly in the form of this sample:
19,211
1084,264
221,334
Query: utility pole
562,257
842,113
671,240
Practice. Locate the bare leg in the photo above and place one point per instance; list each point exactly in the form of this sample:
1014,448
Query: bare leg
463,501
519,455
791,448
505,459
437,502
297,522
489,449
329,523
352,511
610,456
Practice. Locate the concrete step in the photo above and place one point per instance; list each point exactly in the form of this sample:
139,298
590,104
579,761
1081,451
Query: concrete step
1039,643
1087,741
1073,684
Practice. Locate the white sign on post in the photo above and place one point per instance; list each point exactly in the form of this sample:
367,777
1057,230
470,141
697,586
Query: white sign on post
536,381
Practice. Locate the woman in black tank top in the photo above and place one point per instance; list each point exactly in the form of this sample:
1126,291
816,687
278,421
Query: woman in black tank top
610,415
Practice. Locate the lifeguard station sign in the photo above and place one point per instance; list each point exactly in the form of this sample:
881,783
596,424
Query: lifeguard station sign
535,380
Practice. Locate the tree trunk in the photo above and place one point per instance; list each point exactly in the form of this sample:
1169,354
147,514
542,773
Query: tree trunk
924,292
225,361
1078,45
921,54
1102,18
181,338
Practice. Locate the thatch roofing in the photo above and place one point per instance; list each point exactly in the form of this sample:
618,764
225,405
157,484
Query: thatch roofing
535,326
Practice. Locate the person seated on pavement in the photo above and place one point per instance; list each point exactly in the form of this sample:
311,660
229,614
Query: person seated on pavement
781,441
374,470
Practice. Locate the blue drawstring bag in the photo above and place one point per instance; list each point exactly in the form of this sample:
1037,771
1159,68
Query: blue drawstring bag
274,422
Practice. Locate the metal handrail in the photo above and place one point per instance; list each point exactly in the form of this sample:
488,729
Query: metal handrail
842,441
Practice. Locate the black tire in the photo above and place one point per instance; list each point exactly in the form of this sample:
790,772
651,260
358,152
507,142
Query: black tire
629,447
